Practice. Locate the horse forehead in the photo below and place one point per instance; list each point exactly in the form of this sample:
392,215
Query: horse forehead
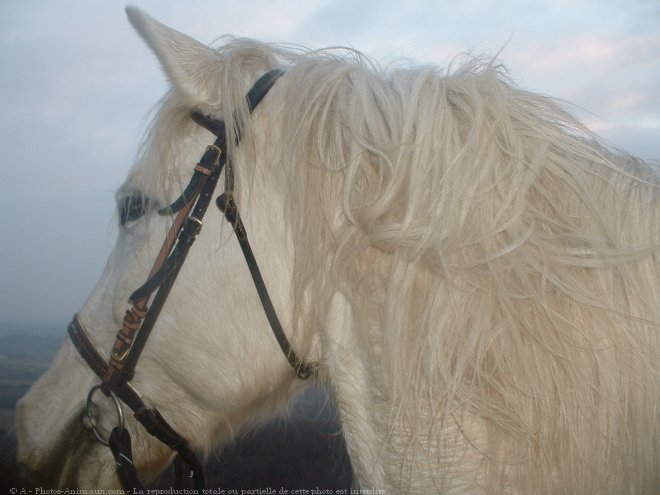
165,165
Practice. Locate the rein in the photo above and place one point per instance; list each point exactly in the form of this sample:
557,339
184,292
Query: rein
116,372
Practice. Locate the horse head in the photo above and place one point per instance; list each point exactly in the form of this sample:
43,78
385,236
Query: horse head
471,271
211,368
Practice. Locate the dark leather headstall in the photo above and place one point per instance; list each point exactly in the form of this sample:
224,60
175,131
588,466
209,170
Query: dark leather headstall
116,373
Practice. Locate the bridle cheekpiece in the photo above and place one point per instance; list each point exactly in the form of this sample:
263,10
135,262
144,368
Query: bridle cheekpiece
147,302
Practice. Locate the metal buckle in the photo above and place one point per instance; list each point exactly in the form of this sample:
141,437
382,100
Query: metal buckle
198,224
218,151
119,356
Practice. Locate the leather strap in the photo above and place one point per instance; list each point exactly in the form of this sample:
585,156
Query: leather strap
140,319
225,203
149,417
120,446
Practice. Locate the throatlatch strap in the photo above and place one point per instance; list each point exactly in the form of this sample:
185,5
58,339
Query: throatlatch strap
225,203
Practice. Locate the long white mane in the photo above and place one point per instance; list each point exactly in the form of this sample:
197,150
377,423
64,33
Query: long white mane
476,274
501,266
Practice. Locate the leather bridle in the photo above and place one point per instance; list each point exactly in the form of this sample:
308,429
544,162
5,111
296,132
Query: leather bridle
117,372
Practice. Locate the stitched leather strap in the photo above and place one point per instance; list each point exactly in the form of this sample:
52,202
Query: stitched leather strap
188,233
149,417
140,319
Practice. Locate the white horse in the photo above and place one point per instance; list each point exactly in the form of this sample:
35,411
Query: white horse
477,278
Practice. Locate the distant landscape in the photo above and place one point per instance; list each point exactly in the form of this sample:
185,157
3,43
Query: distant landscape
25,353
306,450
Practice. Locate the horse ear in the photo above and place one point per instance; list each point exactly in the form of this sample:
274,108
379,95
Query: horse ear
186,61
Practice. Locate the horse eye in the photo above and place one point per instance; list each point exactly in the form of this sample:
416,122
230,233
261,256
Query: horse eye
132,208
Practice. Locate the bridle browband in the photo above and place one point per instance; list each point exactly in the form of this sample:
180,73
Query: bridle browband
116,372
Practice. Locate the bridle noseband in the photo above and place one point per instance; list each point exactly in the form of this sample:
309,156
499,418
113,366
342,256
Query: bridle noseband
116,372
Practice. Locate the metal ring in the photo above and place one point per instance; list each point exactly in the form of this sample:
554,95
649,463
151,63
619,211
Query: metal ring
92,421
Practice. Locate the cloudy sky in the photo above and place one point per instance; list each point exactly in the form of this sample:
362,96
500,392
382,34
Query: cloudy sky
77,82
